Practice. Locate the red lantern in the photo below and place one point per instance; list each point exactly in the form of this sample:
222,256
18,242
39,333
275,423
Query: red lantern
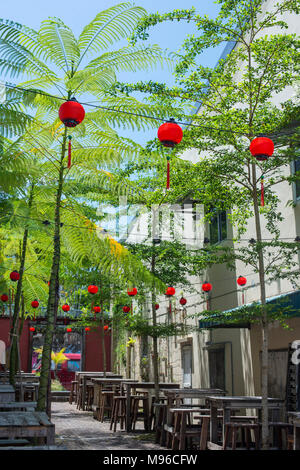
170,133
66,307
132,292
126,309
97,309
87,328
206,287
170,291
4,298
241,281
32,329
71,113
156,306
182,301
105,328
35,304
93,289
69,330
262,148
15,276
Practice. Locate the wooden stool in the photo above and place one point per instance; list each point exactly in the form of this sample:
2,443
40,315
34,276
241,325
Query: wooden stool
118,412
105,404
161,400
79,397
159,421
89,396
72,396
231,430
182,433
278,428
136,399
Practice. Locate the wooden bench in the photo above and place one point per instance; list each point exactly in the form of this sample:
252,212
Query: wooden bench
28,424
18,406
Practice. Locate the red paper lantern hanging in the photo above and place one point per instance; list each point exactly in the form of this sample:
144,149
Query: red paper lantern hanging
262,148
66,307
182,301
241,280
32,329
71,113
93,289
4,297
170,291
169,134
132,292
126,309
97,309
156,306
206,287
105,328
15,276
69,330
35,304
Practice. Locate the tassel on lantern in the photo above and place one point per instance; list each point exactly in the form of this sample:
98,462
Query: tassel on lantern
69,151
262,193
168,172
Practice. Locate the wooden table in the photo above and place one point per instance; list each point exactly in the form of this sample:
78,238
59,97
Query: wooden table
99,384
229,404
175,397
82,378
16,424
137,385
7,393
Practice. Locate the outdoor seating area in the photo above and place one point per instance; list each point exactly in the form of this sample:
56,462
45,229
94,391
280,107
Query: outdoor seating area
183,419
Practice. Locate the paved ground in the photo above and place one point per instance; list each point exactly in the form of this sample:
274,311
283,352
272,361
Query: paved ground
78,430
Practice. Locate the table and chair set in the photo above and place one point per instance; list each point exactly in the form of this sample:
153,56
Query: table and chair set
21,426
184,418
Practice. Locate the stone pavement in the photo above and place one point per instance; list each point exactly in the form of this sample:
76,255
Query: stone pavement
78,430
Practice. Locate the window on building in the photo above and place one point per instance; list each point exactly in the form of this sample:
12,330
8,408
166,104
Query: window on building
218,227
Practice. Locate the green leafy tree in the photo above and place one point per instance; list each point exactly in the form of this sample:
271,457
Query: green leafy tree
54,61
237,105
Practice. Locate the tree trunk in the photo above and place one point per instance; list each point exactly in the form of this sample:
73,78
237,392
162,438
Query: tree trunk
103,339
53,298
154,323
13,362
264,319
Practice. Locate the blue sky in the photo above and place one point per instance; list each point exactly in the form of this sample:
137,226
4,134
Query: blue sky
78,13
